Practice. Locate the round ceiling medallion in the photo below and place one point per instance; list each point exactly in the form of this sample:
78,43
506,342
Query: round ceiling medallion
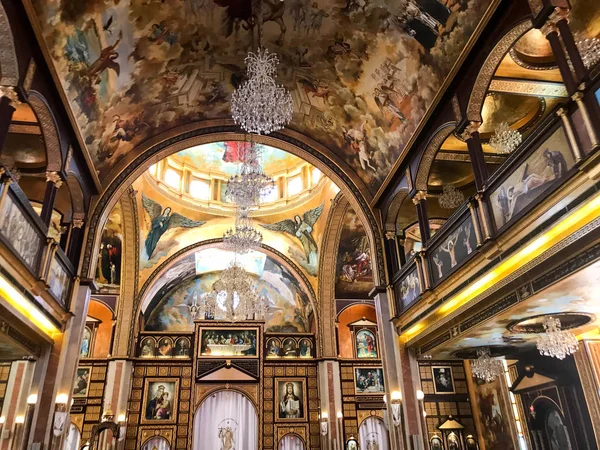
496,351
568,320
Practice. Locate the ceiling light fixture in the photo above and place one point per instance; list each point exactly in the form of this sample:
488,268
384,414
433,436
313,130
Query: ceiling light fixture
505,140
244,237
451,198
485,367
556,342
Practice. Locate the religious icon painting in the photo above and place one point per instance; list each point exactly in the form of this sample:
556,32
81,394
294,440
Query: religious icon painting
82,382
86,343
305,349
273,348
290,348
160,400
290,399
165,347
366,344
369,380
217,342
443,380
436,443
148,348
352,444
182,348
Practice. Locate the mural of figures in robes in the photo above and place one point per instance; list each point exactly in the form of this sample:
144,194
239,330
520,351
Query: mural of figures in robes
108,271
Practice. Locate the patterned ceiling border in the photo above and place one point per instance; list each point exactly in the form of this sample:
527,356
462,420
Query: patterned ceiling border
521,293
213,134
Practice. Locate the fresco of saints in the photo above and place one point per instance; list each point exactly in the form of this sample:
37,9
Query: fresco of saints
289,406
162,220
302,228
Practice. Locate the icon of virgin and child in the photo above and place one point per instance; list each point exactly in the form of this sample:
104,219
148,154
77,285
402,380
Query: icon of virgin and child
159,407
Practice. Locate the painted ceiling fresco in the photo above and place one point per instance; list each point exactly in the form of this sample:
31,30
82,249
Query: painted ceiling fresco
576,293
224,158
167,226
354,273
134,68
289,307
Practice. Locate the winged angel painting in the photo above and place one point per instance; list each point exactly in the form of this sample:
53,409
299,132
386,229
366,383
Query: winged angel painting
302,228
161,221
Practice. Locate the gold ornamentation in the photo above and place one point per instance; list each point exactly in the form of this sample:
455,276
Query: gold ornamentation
9,66
77,223
24,129
429,155
49,131
10,93
537,88
490,65
470,129
390,235
54,177
419,197
29,75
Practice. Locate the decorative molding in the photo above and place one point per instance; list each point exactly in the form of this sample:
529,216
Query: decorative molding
489,67
49,131
54,177
29,75
470,129
517,59
458,116
24,129
529,87
585,370
419,197
429,155
9,66
536,6
394,208
464,157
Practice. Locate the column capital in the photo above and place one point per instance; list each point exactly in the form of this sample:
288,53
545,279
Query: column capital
10,93
54,177
77,223
470,129
551,23
577,96
561,112
419,197
390,235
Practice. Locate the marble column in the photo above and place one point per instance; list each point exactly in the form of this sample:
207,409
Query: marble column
330,392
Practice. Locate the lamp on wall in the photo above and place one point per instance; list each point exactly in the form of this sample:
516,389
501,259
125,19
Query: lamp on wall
324,423
396,404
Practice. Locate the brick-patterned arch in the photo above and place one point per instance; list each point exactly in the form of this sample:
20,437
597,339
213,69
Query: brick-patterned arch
49,131
435,142
9,66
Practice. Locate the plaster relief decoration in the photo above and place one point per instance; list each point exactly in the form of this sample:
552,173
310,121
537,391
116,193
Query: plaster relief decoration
301,227
131,69
289,308
354,273
492,407
20,234
454,249
108,270
550,162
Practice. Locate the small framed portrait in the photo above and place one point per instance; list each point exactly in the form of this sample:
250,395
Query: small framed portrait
148,347
306,348
182,348
160,400
369,380
366,343
436,443
82,382
87,343
273,348
352,444
290,347
290,399
165,347
443,381
218,342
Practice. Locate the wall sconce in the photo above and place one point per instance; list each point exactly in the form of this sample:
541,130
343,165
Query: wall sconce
121,418
32,399
62,399
396,404
20,420
420,395
324,423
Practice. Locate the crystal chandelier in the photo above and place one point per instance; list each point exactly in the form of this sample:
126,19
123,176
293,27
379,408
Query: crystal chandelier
234,297
589,49
244,237
555,342
505,140
451,198
485,367
259,105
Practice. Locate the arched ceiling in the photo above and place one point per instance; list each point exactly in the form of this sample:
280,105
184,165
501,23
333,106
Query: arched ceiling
132,69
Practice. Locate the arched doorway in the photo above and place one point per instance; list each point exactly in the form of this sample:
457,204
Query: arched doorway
156,443
73,438
373,435
291,442
226,420
548,427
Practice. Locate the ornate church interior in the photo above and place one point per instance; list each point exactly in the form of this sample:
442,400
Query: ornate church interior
299,225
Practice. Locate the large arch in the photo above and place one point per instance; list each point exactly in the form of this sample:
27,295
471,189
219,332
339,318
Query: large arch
188,136
484,78
49,129
428,156
9,66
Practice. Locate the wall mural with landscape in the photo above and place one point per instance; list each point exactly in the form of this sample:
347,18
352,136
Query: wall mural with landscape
134,68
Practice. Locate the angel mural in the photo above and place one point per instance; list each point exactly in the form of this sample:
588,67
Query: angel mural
162,220
302,228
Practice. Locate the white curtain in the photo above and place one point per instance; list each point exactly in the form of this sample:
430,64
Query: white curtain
291,442
73,438
157,443
373,435
226,421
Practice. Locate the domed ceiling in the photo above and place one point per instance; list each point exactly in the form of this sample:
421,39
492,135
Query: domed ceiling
131,69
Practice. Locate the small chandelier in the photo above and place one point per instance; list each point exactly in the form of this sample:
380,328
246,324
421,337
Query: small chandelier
451,197
589,49
505,140
485,367
259,105
244,237
556,342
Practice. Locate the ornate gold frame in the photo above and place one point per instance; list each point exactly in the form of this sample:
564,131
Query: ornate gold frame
174,400
203,327
303,396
